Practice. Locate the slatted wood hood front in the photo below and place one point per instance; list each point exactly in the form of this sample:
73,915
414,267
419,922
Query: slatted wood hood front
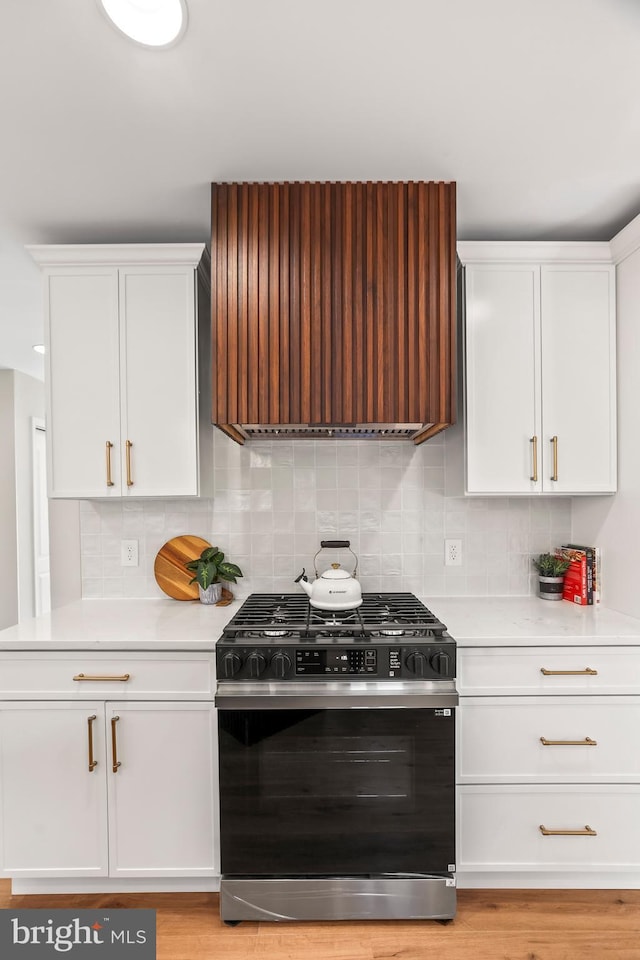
333,309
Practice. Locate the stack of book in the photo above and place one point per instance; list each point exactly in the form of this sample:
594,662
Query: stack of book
582,581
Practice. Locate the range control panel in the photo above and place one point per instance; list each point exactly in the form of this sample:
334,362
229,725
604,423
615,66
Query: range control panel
337,660
432,661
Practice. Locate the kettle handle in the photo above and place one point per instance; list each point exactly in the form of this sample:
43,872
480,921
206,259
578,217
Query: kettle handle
336,545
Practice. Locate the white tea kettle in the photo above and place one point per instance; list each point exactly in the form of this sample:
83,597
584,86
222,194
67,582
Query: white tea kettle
336,589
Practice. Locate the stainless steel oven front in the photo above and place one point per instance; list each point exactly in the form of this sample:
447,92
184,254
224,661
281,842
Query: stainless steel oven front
337,798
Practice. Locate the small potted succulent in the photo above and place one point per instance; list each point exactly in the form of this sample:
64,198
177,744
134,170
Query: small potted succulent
208,572
551,570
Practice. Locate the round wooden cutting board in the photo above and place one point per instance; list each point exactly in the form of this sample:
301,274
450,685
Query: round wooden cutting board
169,568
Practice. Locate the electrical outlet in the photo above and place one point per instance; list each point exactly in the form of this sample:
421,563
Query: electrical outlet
129,553
453,553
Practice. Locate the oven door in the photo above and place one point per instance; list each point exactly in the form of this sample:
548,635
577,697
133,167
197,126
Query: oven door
344,791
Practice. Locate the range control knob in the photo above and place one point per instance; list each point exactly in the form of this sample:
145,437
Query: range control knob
280,665
441,662
417,664
256,664
231,664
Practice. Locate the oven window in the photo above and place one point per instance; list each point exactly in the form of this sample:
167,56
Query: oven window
348,792
382,769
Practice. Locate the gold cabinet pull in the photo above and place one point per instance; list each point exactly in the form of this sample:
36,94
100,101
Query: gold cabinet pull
114,745
587,672
587,742
92,763
128,446
586,832
122,679
554,444
109,480
534,455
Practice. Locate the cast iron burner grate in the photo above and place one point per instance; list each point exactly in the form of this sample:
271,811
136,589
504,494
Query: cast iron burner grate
381,615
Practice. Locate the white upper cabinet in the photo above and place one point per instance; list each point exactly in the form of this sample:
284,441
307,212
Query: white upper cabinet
539,368
121,333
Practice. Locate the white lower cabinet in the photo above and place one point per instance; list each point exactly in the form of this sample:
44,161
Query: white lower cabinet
548,739
161,800
546,828
548,767
54,811
110,788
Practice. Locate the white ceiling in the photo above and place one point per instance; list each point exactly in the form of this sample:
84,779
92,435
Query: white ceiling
531,106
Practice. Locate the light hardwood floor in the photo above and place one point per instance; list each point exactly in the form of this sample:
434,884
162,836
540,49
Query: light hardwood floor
490,925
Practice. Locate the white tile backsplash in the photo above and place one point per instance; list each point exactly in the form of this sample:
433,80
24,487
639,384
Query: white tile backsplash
275,501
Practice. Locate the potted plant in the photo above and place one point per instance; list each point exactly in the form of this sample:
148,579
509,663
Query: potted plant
208,570
551,570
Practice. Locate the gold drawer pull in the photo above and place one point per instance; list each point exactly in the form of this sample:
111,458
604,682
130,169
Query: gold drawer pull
128,446
554,444
587,672
122,679
587,742
109,480
92,763
114,745
587,832
534,476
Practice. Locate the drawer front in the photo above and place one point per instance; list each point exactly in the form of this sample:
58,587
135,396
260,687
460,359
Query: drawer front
585,739
548,671
87,676
499,828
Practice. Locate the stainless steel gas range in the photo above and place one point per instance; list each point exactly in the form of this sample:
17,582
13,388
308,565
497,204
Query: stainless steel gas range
336,746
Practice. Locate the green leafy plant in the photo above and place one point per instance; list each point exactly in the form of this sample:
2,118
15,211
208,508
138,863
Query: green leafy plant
550,565
211,567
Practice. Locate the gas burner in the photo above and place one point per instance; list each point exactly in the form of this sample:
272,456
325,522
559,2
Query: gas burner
279,616
260,634
333,617
392,623
332,621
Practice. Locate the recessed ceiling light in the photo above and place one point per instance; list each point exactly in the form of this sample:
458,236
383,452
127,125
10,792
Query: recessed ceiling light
38,347
153,23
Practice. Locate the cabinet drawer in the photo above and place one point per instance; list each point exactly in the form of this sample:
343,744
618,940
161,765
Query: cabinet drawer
548,670
500,739
165,676
499,828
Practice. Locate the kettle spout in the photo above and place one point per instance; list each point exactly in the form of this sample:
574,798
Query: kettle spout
304,583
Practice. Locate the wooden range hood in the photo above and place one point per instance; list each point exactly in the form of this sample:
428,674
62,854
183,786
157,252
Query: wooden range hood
333,309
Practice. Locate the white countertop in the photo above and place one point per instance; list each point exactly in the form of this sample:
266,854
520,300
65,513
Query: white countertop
530,621
123,625
190,625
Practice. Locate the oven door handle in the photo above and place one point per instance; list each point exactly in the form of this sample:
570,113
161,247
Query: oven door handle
346,701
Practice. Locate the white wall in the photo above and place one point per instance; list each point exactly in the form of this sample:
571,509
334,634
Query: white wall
28,403
614,522
22,399
8,525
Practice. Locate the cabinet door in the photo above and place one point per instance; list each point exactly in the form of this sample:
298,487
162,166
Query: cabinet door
502,381
578,379
53,806
162,800
158,376
82,360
